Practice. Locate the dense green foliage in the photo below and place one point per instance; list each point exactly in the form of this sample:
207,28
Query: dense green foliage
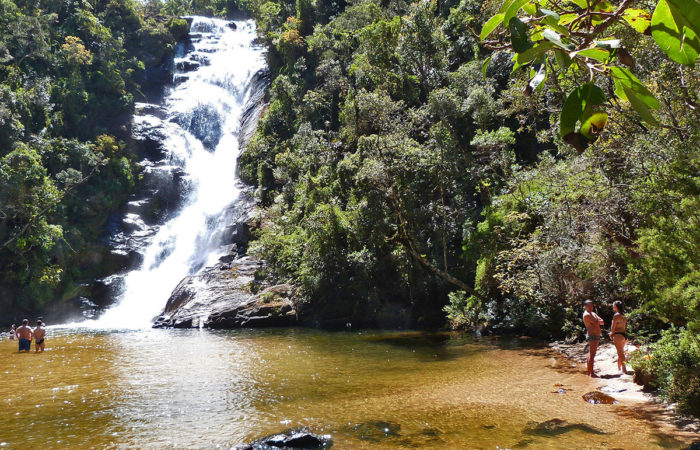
69,74
395,175
673,362
565,38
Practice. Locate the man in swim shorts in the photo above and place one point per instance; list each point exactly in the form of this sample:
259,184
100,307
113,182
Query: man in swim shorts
25,334
39,335
593,324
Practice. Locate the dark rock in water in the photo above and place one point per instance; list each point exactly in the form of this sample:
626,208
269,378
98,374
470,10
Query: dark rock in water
204,122
599,398
187,66
297,439
201,58
232,25
554,427
148,131
694,445
180,78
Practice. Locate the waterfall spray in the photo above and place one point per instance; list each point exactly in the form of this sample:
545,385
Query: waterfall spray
203,114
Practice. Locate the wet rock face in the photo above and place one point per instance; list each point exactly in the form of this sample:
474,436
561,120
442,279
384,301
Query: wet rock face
599,398
300,438
226,295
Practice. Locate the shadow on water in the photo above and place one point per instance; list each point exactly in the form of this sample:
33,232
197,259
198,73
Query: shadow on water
427,346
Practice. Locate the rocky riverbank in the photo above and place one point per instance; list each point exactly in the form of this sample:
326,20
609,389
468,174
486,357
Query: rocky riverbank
640,399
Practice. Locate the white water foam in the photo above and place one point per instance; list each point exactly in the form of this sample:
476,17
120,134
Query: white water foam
204,115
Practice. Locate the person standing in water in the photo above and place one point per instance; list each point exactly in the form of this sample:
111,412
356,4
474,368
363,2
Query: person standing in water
593,324
25,334
39,335
618,334
13,332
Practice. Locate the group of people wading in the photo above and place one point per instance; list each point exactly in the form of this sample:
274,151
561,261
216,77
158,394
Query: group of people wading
25,334
594,330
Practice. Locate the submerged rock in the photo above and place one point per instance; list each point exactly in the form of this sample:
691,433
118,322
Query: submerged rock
373,431
299,438
554,427
599,398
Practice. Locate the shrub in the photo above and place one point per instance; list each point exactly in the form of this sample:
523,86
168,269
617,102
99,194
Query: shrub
675,361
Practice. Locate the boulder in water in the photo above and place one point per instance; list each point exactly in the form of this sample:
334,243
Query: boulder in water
228,295
298,438
232,25
187,66
599,398
554,427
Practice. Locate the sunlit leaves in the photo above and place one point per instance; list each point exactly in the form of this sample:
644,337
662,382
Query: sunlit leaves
628,87
675,26
491,25
580,107
638,19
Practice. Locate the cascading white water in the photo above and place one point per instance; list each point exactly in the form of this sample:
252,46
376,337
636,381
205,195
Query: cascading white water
201,127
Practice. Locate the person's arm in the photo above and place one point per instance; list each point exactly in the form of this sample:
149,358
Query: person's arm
613,325
588,320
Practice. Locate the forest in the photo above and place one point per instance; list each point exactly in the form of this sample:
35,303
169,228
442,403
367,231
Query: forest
460,163
70,72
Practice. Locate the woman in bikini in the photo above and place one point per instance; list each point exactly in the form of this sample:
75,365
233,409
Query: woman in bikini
618,334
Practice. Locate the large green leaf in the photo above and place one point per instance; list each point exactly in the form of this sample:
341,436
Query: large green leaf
686,13
675,32
640,107
625,80
518,35
485,66
638,19
554,37
491,25
581,98
533,52
562,58
593,123
513,9
596,53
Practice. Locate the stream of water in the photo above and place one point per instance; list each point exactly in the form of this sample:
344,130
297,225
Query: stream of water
201,124
113,382
206,389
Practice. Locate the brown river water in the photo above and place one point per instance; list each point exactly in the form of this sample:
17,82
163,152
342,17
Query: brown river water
208,389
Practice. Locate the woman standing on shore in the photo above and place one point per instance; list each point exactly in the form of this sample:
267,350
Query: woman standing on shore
618,334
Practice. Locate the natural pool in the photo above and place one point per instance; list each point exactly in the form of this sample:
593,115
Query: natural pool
200,388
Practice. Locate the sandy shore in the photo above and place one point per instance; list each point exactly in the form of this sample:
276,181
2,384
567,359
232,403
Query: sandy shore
625,390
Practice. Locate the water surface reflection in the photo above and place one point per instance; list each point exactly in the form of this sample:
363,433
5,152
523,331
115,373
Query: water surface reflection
192,388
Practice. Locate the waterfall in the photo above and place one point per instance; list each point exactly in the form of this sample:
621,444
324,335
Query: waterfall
200,121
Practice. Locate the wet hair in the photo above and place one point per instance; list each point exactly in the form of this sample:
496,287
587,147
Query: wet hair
620,306
25,321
